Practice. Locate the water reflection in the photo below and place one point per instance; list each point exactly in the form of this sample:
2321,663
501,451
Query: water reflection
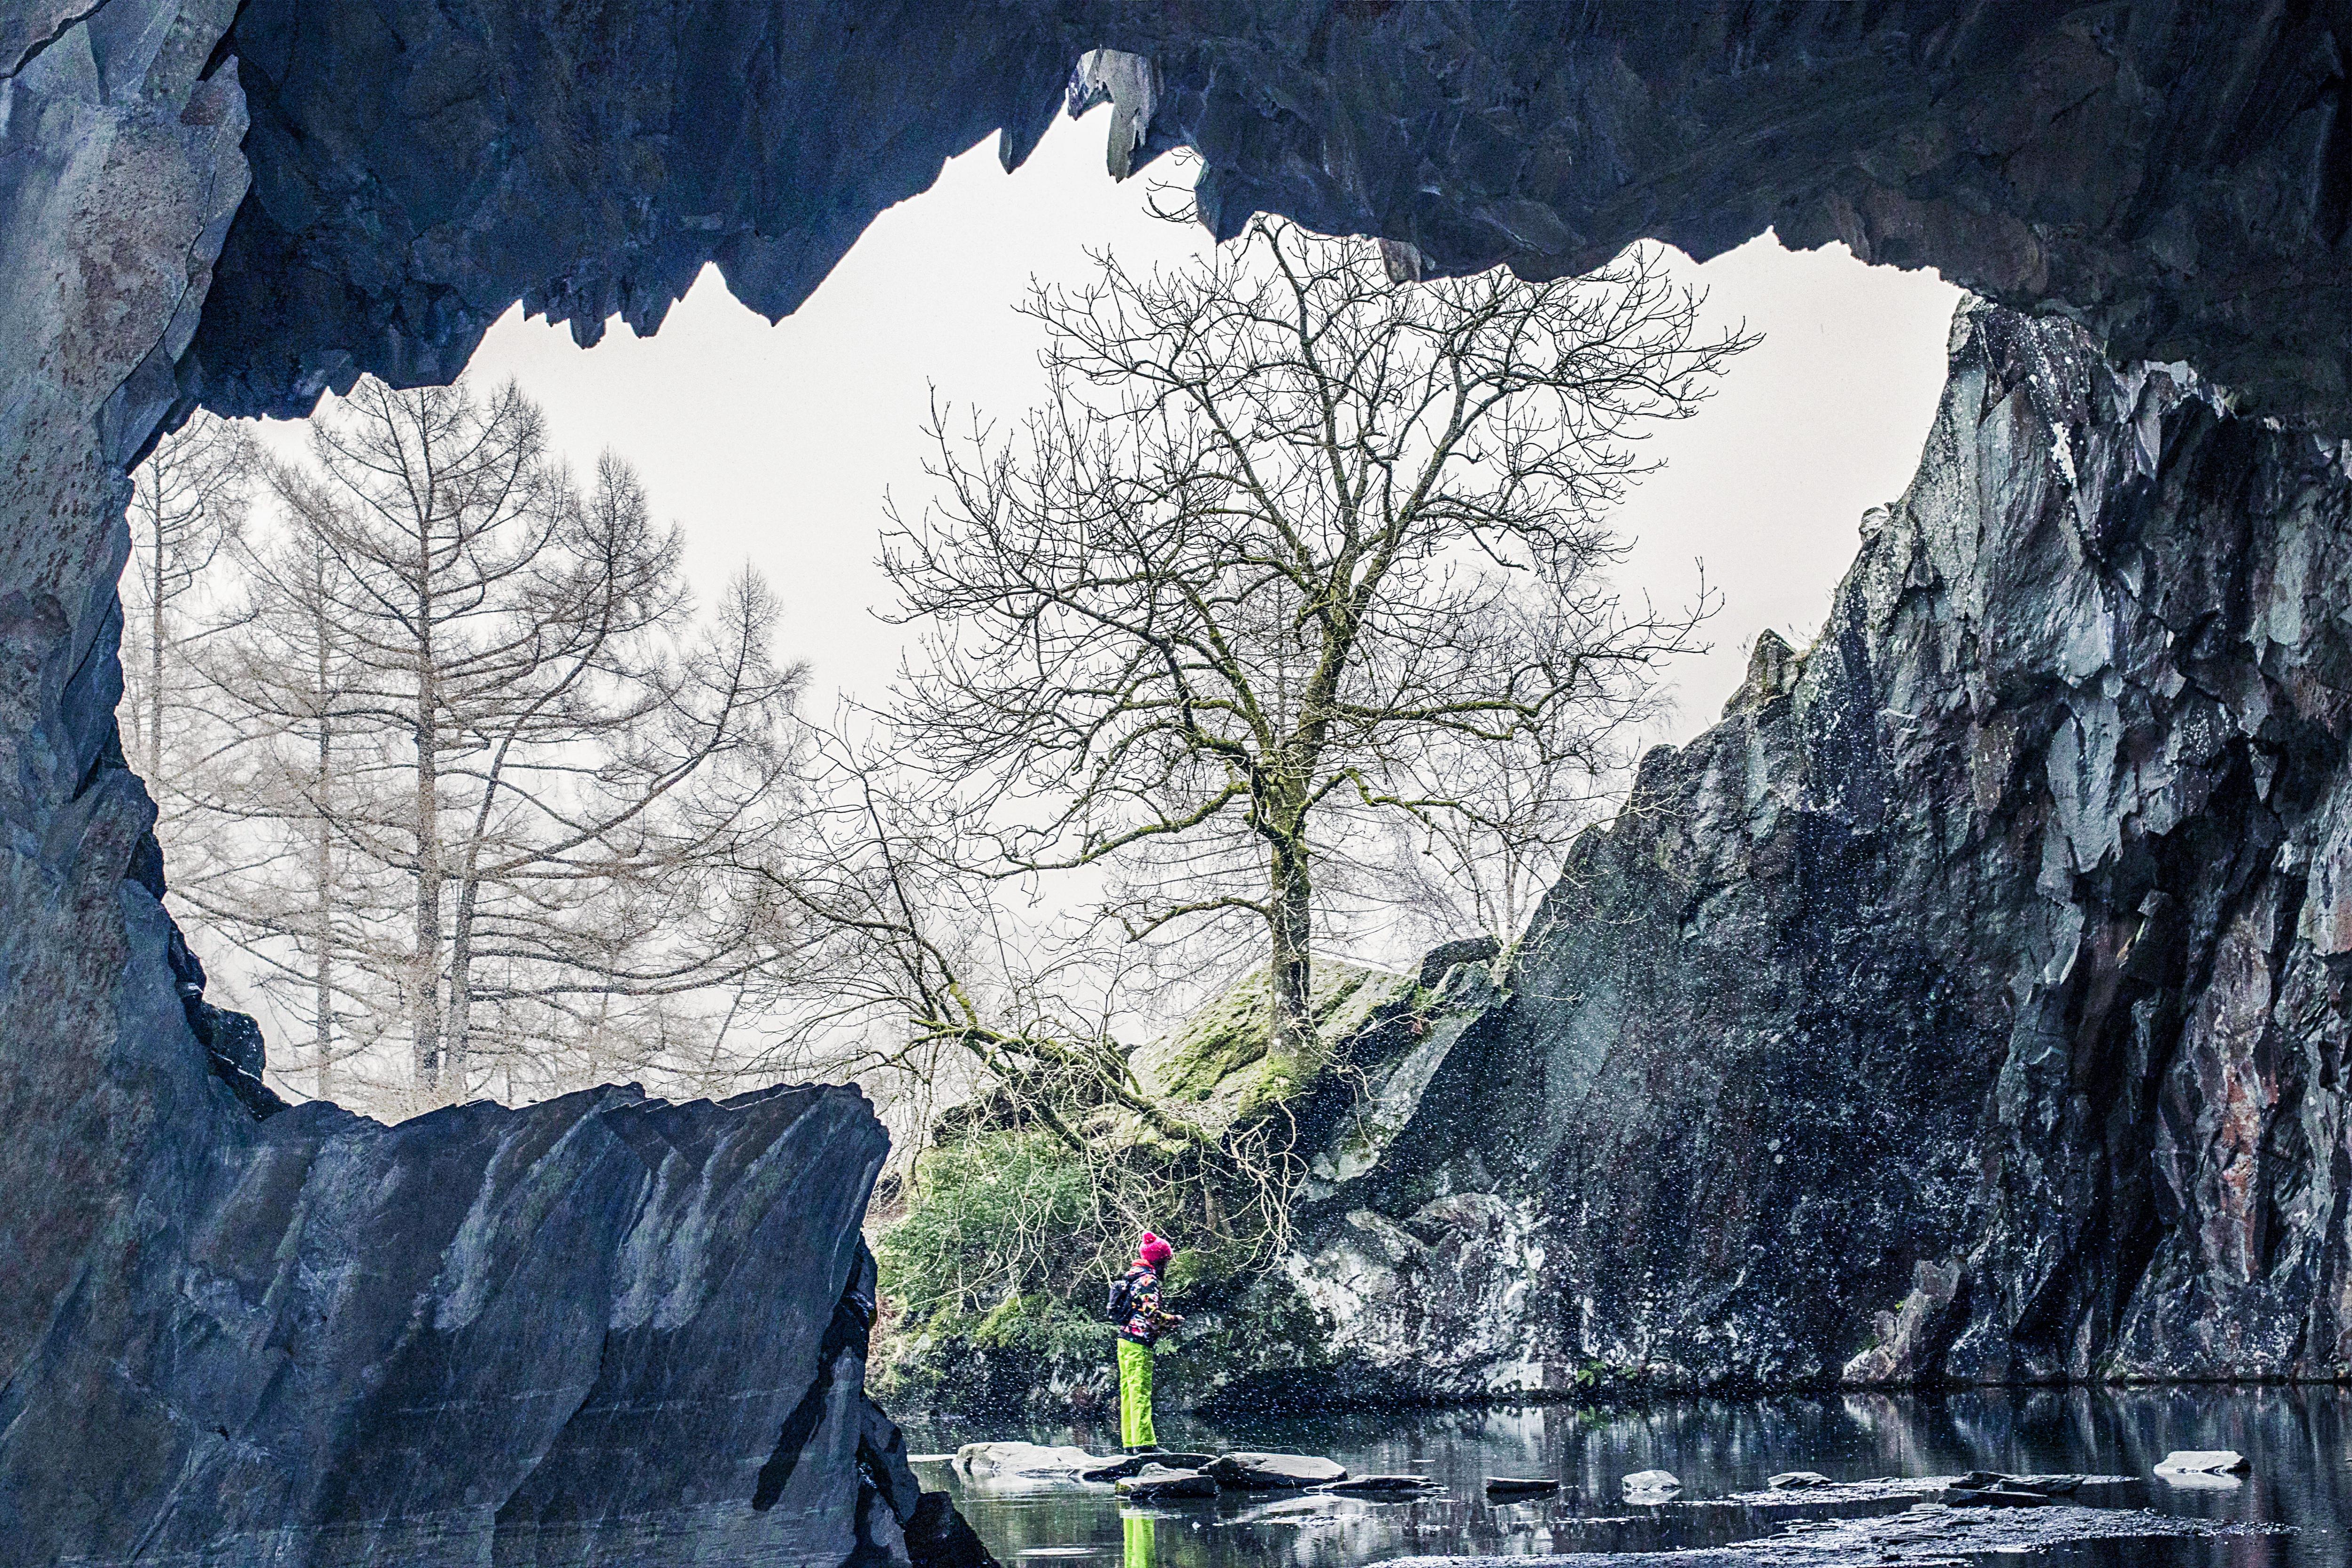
2299,1440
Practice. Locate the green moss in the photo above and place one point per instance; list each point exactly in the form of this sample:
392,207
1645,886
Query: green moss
1220,1057
995,1277
1198,1268
1045,1324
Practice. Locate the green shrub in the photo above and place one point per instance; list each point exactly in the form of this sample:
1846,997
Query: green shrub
989,1221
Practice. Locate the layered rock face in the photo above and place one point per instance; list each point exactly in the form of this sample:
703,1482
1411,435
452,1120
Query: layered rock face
1970,1002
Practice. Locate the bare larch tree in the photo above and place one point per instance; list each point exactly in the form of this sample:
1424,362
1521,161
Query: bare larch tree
492,694
1284,537
188,502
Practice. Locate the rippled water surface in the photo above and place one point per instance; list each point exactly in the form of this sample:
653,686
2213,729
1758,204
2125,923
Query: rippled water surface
2300,1442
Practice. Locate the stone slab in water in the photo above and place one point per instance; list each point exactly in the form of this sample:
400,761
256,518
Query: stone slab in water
1497,1485
1380,1485
1254,1472
1154,1482
1023,1461
2204,1461
1116,1469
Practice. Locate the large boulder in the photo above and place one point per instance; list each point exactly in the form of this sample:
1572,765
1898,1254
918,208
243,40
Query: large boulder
574,1331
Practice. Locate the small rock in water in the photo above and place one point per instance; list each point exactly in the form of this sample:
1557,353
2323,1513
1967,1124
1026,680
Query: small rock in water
1380,1485
1119,1469
1275,1472
1159,1482
1798,1481
1993,1496
1509,1486
2203,1462
1029,1461
2002,1487
1651,1483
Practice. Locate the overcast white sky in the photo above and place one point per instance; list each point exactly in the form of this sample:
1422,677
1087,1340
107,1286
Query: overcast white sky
777,444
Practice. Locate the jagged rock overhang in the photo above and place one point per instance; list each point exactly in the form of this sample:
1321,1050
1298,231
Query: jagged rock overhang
2174,176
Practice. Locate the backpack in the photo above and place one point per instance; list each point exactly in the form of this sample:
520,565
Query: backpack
1121,1305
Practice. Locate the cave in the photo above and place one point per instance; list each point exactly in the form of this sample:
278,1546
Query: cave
295,1333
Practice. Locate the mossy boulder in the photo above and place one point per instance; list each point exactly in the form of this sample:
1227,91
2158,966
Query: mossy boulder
1219,1067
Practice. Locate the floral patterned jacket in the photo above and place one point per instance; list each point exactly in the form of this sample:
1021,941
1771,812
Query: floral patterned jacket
1145,1321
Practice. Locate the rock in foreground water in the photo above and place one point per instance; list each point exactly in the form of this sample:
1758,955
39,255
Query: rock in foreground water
1119,1469
1156,1481
1002,1461
1520,1486
1650,1483
566,1333
1252,1472
1380,1486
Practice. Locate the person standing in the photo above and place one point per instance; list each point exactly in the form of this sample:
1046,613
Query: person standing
1135,1309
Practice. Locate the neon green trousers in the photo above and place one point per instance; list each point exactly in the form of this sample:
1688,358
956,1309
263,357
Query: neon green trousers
1134,1395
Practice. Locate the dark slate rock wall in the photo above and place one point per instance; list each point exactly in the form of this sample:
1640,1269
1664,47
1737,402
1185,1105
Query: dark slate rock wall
118,173
1970,1002
2174,175
420,165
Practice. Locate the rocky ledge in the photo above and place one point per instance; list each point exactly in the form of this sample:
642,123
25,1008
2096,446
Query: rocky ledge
2173,175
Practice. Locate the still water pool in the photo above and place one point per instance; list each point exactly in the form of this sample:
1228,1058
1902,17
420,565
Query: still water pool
2299,1440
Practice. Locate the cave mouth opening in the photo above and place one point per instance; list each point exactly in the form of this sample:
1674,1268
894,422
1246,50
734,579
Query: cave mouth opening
772,445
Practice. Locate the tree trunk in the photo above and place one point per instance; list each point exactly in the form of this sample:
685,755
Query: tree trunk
322,872
322,823
461,987
1291,974
424,965
156,660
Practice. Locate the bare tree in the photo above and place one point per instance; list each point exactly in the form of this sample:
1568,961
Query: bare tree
1283,539
489,691
913,975
188,502
275,871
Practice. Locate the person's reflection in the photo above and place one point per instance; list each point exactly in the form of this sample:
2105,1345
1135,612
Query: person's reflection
1142,1543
